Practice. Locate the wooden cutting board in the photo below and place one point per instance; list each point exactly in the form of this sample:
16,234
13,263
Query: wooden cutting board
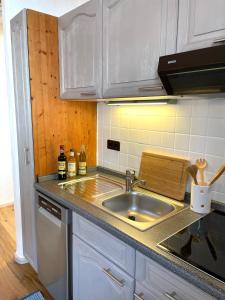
164,174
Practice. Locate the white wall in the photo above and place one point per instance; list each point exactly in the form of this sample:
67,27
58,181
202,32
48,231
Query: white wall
193,128
6,193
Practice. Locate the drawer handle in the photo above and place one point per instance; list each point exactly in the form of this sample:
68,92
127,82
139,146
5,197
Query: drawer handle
88,93
151,88
219,41
139,296
171,296
119,282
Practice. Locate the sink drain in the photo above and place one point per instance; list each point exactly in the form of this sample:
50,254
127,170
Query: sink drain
132,218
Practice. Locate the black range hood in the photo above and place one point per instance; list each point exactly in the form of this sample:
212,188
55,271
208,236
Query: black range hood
194,72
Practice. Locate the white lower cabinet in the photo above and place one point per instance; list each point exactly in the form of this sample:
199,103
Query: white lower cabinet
141,293
96,278
155,282
105,268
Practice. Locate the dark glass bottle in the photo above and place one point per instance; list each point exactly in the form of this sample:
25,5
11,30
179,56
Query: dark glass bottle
62,164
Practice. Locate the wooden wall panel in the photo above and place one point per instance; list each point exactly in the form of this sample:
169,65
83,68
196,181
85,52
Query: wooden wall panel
55,121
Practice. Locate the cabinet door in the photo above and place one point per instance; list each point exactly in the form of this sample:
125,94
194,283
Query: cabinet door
201,24
96,278
24,132
135,34
80,52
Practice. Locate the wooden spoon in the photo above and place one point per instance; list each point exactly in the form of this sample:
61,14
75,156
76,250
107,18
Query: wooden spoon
201,163
193,170
217,175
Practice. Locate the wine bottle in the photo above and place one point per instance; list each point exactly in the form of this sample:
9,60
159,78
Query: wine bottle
62,164
72,170
82,162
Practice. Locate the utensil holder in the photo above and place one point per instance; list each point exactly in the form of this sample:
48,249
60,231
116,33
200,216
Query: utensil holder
200,198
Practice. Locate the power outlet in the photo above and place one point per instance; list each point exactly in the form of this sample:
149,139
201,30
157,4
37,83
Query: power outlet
113,145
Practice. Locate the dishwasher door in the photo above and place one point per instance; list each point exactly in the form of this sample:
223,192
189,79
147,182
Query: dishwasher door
52,247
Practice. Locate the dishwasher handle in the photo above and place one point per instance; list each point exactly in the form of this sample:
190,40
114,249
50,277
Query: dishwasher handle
42,211
52,210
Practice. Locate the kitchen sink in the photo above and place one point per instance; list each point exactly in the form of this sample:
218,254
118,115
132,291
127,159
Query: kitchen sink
141,210
138,207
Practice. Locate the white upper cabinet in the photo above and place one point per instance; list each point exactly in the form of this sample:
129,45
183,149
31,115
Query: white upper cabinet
80,50
135,34
201,24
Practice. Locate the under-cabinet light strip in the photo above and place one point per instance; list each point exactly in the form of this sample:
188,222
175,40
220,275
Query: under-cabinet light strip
136,103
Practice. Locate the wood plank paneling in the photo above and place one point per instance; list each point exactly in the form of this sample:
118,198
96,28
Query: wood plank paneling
55,121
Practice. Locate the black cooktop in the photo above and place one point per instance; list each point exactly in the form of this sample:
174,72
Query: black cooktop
201,244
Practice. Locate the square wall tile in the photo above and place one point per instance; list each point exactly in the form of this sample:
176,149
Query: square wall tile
115,133
182,142
200,107
215,146
167,140
184,108
183,125
199,126
217,108
155,138
216,127
197,143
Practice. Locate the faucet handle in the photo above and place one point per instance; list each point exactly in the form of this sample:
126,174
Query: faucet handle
130,172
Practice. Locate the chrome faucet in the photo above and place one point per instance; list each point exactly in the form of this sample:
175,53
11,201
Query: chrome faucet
131,180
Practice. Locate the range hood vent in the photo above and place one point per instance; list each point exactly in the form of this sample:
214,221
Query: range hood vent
194,72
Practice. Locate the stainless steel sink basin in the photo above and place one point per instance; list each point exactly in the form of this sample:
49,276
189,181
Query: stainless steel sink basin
138,206
140,210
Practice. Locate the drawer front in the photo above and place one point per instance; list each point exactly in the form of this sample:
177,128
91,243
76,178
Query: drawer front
105,243
141,293
166,284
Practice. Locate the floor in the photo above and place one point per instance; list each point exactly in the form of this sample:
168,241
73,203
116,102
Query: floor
16,280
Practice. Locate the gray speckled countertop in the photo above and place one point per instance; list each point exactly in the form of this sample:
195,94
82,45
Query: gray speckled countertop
143,241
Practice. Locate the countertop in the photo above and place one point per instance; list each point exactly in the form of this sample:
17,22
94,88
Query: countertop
143,241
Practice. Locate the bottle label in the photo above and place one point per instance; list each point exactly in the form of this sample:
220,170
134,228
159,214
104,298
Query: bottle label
61,172
71,169
61,166
82,168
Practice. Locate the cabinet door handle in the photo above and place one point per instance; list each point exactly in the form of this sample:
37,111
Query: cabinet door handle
119,282
26,151
219,41
171,296
151,88
88,93
139,296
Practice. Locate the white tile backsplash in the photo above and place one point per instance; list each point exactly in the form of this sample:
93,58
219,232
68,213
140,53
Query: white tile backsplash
192,128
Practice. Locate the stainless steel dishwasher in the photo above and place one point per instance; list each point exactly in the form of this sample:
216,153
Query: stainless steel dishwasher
52,228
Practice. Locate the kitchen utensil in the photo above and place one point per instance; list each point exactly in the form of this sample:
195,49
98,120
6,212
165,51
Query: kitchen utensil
193,170
217,175
201,163
164,174
200,198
